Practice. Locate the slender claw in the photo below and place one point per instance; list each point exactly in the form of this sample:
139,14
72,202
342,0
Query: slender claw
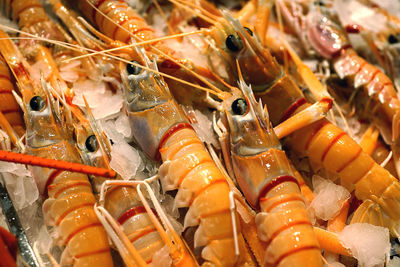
307,116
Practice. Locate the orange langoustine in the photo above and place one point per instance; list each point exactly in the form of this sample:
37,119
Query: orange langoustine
162,130
266,179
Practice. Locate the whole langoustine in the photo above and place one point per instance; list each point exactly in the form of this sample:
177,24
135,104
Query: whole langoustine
266,179
69,197
329,147
162,130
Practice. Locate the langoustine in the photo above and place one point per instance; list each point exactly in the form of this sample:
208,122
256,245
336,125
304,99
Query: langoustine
265,177
162,130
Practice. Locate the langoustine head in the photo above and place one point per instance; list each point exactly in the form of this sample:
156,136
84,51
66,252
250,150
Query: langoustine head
256,153
148,104
234,43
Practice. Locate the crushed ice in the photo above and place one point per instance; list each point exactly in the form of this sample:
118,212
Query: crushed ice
329,198
101,100
20,184
368,243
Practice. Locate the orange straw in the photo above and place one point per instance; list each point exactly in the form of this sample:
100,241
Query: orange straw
55,164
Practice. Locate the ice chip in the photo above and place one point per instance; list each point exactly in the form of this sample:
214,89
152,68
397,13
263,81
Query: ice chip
125,160
102,101
329,198
111,132
334,264
123,126
203,125
39,69
368,243
111,104
44,241
22,189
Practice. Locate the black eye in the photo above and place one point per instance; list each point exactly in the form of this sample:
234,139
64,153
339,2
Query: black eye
37,103
393,39
133,69
91,143
239,106
234,43
249,31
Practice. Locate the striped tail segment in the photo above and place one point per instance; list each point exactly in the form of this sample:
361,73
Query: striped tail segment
189,168
69,208
283,222
121,20
328,146
285,225
8,105
23,10
125,206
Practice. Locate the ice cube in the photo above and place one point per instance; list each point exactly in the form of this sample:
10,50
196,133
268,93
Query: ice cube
122,125
329,198
204,128
368,243
125,160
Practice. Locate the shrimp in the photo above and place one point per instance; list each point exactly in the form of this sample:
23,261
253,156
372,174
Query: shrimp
8,105
162,131
69,197
266,179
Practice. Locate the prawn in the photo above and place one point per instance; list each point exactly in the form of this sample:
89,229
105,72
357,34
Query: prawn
266,179
162,131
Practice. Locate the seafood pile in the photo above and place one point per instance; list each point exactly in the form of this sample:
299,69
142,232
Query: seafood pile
188,132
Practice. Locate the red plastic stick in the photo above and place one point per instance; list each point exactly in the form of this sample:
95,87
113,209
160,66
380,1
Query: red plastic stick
55,164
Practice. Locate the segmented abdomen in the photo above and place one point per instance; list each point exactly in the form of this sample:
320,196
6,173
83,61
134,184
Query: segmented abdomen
328,146
121,21
8,105
286,227
124,205
189,168
26,12
69,208
267,181
32,18
375,83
